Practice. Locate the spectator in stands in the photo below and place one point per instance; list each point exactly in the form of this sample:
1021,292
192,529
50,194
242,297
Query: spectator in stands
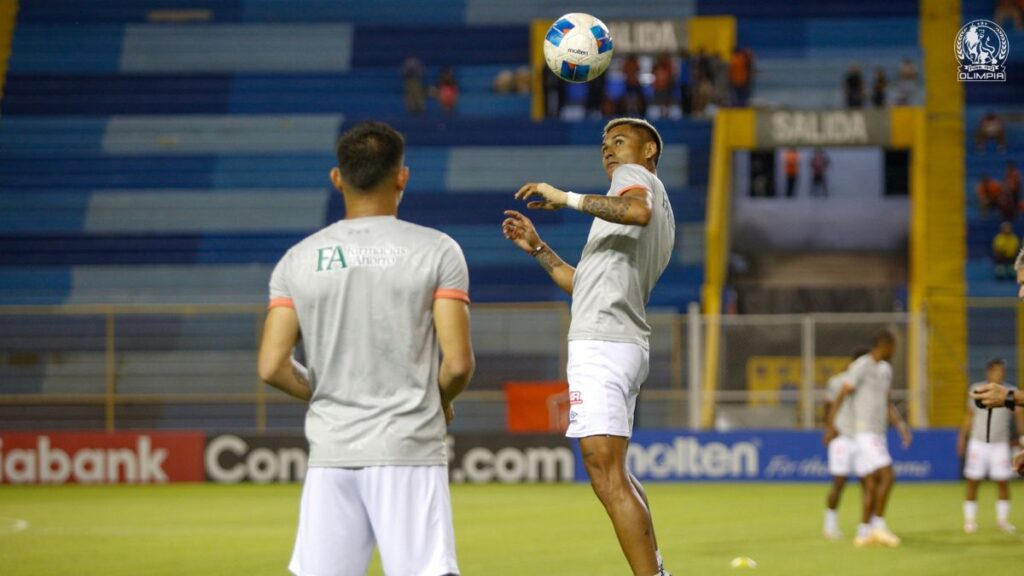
634,101
906,90
1004,252
990,129
853,87
879,89
989,191
791,165
447,90
741,68
504,82
685,85
819,173
554,93
1009,10
523,80
412,85
664,86
1010,203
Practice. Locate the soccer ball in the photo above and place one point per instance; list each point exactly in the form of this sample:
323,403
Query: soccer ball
578,47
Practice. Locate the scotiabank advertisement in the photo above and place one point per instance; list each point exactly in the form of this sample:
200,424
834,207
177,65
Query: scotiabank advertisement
100,458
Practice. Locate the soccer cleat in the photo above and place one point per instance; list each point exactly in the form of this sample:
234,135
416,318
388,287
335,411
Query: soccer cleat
864,541
1006,528
970,527
832,535
885,537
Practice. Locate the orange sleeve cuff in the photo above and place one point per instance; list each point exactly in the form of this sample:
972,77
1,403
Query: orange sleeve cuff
451,294
281,303
630,187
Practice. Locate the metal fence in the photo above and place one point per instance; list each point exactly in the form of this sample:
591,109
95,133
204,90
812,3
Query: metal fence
167,367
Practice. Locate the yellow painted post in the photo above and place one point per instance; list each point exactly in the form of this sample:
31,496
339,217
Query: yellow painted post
538,29
8,20
713,34
938,237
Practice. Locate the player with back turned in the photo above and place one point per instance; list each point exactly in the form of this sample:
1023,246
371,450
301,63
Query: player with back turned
842,449
629,247
375,300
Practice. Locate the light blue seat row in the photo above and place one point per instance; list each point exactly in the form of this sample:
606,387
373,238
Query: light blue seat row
163,211
524,11
200,134
569,167
237,48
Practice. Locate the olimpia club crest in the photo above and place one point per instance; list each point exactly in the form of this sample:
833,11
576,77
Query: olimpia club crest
981,48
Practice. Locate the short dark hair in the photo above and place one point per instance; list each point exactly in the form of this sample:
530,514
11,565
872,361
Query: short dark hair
883,336
995,362
368,152
859,351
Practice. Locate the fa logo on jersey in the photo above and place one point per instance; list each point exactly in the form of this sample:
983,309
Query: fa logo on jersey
981,48
575,397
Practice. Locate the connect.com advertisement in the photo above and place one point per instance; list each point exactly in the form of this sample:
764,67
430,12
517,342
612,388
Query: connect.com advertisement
654,455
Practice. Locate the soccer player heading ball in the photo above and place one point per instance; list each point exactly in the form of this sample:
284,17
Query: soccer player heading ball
629,246
374,298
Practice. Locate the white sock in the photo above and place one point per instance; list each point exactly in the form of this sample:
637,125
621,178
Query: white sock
878,523
661,563
1003,510
970,511
863,530
831,521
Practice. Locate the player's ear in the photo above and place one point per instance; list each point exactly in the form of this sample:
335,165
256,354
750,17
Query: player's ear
403,178
650,151
336,179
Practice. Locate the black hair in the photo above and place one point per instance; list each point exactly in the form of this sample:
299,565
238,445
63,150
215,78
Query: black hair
860,351
883,336
369,152
995,362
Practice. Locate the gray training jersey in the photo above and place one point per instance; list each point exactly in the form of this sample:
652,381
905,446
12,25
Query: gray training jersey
621,264
364,291
871,382
1002,419
844,417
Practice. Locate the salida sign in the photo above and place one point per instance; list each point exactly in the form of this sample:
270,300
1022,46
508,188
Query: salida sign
100,458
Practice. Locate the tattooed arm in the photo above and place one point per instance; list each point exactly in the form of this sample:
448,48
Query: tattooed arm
520,231
632,208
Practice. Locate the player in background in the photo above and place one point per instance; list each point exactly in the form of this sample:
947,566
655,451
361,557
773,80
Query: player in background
869,383
993,395
842,448
987,447
374,300
629,246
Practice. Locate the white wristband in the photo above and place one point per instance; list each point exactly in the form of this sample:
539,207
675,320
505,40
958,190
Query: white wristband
573,200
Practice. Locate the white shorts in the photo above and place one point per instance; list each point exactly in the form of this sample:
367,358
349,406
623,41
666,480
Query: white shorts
604,381
405,510
872,453
986,460
842,452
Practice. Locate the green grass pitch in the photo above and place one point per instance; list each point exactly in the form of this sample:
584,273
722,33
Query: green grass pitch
501,530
